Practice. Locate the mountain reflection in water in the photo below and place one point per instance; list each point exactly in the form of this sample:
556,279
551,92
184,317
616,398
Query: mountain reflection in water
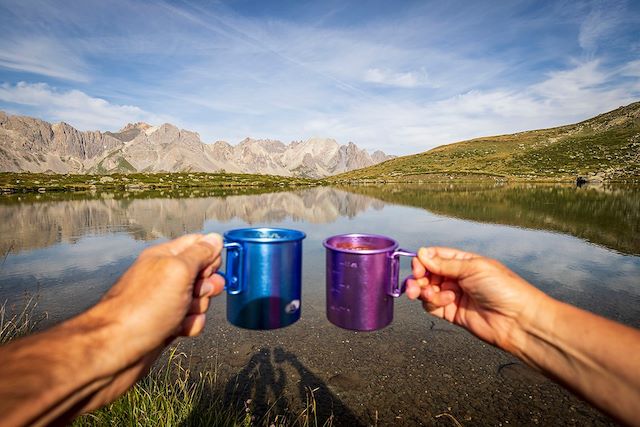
39,223
608,217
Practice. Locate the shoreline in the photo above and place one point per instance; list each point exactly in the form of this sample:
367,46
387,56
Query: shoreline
26,182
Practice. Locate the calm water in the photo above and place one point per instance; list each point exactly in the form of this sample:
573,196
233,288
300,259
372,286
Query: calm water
580,245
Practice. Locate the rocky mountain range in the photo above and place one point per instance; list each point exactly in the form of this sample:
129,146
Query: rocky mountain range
32,145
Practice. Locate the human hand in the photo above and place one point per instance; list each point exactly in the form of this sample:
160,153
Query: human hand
166,291
477,293
164,294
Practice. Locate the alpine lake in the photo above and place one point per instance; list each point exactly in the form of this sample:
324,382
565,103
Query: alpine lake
580,245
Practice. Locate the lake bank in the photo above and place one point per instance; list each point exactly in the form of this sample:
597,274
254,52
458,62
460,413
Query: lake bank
216,183
480,177
38,182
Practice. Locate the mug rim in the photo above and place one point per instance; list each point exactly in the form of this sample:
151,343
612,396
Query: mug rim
289,235
392,247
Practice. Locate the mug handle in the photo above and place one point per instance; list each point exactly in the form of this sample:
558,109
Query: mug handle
233,268
396,288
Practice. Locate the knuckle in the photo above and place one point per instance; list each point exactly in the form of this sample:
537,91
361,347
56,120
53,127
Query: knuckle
174,267
206,250
480,263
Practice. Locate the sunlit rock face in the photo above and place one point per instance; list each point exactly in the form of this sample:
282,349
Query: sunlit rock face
33,145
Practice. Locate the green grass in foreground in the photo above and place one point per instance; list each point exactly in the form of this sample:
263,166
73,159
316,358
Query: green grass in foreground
16,323
170,395
173,395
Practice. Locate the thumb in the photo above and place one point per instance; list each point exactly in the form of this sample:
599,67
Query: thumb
203,252
451,268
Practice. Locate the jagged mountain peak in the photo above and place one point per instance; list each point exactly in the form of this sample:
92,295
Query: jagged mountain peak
138,125
32,145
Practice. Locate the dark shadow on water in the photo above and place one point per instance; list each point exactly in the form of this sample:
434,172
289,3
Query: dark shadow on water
261,386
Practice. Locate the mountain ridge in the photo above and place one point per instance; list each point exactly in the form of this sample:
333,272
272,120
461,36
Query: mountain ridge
29,144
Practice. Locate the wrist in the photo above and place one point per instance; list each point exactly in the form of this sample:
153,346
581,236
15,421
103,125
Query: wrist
535,324
533,306
108,336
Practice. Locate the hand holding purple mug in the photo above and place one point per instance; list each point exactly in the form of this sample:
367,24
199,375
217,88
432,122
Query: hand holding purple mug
566,343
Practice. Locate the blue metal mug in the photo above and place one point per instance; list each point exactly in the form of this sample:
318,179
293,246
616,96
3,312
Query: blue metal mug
263,277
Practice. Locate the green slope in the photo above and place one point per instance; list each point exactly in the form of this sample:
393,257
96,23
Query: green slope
607,145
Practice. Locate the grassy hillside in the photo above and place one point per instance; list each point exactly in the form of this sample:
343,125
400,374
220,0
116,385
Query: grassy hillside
607,145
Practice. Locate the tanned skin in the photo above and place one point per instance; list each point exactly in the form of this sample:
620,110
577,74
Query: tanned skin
596,358
90,360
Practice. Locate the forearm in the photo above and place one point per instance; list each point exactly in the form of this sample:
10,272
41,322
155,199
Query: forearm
46,374
596,358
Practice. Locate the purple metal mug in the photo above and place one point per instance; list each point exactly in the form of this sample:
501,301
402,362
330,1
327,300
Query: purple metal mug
362,280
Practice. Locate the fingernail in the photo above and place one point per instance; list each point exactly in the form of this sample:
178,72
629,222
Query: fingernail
426,253
214,239
206,289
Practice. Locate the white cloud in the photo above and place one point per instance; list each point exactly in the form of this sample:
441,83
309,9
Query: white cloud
599,23
75,107
631,69
407,79
42,56
567,84
410,126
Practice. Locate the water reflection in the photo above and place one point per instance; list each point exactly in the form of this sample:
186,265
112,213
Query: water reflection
37,223
69,248
608,216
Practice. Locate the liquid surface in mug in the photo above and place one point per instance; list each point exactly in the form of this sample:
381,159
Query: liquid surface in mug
354,246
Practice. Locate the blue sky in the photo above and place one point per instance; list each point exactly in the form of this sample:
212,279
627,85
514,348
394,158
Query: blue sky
398,76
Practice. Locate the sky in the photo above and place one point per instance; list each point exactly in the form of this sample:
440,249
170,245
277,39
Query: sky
400,76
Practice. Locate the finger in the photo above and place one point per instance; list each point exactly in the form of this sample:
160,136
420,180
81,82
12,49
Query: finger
432,309
448,267
442,298
218,284
199,305
439,299
202,287
193,325
175,246
427,291
209,287
436,280
413,289
451,253
203,252
423,282
417,268
450,310
212,268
